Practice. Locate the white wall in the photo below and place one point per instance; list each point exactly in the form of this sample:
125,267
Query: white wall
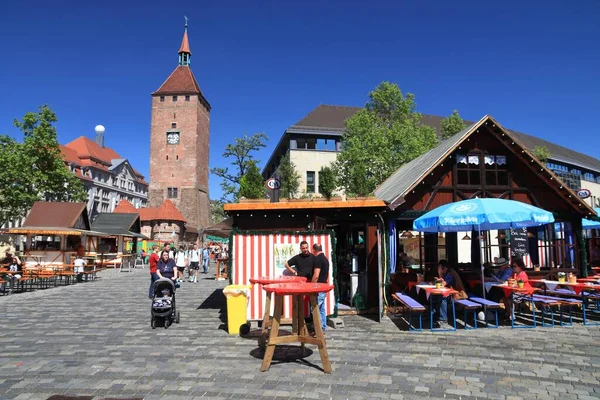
594,200
310,160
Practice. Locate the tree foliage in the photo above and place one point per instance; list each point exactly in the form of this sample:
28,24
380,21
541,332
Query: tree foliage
289,177
34,169
541,152
241,155
252,184
452,125
380,138
217,213
327,182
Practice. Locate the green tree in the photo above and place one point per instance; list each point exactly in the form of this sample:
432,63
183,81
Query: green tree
289,177
541,152
327,182
217,213
252,185
34,170
452,125
380,138
241,156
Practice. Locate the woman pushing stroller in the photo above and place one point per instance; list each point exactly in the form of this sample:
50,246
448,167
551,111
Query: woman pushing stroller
166,267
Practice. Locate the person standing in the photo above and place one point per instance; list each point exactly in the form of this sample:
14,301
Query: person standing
194,263
205,259
321,275
180,261
78,267
153,264
304,262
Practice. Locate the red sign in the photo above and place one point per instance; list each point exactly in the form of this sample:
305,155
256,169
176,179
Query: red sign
584,193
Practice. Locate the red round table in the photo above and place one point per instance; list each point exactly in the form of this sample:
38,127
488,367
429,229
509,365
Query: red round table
299,330
268,280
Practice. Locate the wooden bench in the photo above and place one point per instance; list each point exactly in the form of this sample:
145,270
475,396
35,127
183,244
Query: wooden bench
468,305
561,302
546,303
488,305
413,306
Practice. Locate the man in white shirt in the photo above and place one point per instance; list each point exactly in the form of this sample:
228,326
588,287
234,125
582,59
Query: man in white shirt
78,265
194,263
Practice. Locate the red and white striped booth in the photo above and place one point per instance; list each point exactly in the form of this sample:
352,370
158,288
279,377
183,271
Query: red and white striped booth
258,255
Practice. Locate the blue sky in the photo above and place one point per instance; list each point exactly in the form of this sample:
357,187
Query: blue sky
263,65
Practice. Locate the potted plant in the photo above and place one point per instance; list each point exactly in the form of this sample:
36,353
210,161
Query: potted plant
438,284
520,284
561,276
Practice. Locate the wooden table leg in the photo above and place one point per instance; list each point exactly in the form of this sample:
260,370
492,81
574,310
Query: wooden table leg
295,306
319,334
274,333
218,276
267,315
299,321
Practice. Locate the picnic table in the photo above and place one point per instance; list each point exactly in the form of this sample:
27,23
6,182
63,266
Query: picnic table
445,293
583,289
516,294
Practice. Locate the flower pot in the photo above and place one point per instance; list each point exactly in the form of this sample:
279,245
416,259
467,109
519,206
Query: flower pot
438,285
520,285
561,279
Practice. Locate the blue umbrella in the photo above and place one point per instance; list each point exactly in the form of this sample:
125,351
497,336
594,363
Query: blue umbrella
589,224
482,215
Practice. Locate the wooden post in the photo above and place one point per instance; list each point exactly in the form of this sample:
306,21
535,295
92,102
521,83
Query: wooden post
274,333
319,334
576,223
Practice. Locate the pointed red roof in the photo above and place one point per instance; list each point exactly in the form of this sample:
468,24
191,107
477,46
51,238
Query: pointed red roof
185,44
181,81
169,211
125,207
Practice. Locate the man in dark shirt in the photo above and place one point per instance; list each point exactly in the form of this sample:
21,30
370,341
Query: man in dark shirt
321,275
303,262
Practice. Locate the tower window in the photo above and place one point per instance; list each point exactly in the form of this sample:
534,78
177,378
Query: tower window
172,193
167,158
187,98
176,157
173,124
162,99
174,98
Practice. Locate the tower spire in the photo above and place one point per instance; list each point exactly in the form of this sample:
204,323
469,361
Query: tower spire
184,50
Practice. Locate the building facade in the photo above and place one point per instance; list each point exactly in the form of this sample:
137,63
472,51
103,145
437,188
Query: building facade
315,141
106,176
179,143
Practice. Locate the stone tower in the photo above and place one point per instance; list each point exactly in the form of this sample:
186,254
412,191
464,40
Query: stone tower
179,143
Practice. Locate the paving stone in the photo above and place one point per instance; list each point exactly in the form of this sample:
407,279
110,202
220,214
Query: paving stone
72,340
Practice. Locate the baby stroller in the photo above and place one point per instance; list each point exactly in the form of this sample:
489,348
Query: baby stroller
163,303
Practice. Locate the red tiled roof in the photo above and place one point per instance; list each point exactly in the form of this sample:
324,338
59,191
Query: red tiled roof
185,45
181,81
125,207
85,152
167,211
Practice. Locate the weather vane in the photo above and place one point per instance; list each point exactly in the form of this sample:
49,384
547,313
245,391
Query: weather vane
186,20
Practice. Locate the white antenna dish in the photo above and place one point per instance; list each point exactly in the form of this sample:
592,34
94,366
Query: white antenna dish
99,129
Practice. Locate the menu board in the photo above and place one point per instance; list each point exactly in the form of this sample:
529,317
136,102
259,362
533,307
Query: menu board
519,243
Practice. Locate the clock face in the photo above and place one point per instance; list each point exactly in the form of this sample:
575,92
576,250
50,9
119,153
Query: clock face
173,138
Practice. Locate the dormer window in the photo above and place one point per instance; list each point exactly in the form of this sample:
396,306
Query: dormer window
174,98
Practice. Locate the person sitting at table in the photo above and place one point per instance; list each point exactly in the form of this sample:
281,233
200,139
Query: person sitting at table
518,266
8,259
504,271
449,278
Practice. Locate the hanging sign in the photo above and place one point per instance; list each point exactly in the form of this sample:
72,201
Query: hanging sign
273,184
519,243
584,193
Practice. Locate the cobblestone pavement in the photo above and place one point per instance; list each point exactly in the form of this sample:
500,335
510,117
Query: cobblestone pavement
95,339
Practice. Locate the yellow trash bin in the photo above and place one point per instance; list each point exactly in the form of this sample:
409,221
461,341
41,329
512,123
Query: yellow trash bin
237,303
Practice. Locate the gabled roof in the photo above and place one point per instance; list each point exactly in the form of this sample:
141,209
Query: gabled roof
56,214
400,182
169,211
181,81
125,206
410,175
117,224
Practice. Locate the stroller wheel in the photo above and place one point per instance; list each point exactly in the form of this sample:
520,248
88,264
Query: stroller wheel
244,329
153,323
177,317
167,322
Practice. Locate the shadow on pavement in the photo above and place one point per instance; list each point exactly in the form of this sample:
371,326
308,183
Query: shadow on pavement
287,354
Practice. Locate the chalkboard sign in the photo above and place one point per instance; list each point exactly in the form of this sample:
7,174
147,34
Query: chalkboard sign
519,243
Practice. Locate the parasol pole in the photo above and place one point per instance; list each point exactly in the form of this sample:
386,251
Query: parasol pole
481,260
